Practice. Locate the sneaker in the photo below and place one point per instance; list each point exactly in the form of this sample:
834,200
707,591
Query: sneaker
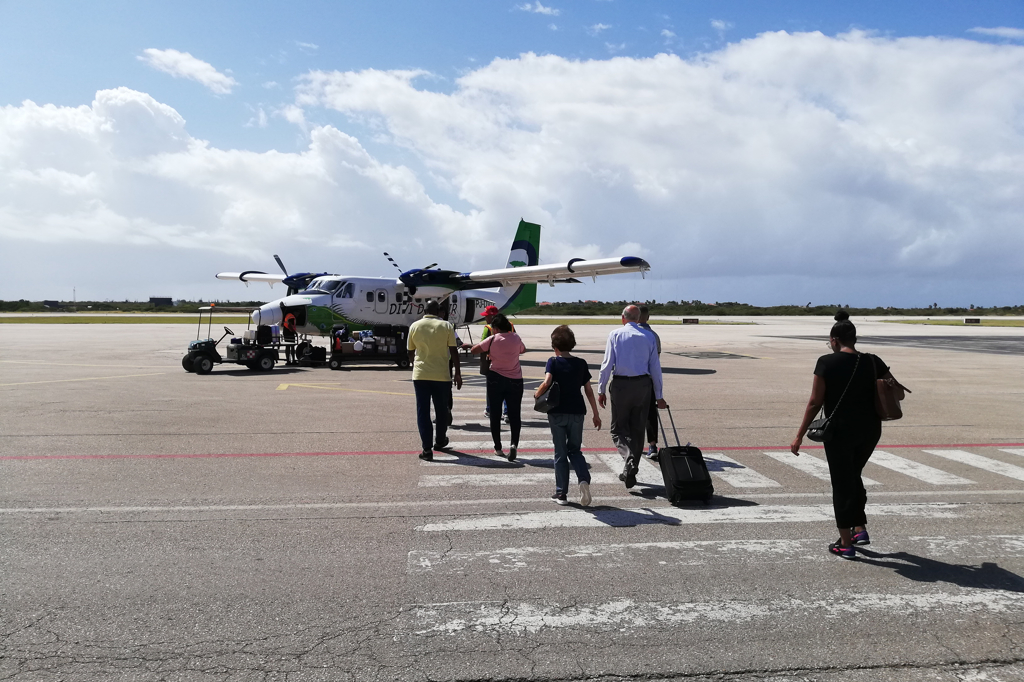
861,538
842,552
441,444
652,452
560,499
585,494
512,451
629,478
498,452
504,418
487,413
427,455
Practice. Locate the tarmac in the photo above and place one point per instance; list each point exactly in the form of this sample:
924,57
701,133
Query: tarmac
159,525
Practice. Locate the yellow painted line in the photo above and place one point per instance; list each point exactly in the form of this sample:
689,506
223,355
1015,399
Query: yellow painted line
61,381
285,387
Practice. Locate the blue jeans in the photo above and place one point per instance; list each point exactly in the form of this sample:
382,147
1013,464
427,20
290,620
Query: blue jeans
440,392
567,434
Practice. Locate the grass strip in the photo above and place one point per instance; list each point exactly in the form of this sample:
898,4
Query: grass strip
118,319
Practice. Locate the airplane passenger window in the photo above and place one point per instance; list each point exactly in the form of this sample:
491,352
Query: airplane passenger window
369,297
382,297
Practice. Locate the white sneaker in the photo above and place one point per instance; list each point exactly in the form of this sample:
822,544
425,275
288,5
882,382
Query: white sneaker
585,494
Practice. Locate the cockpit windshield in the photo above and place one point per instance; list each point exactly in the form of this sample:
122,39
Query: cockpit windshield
323,284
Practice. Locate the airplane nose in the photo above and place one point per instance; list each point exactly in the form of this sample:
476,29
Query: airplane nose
268,314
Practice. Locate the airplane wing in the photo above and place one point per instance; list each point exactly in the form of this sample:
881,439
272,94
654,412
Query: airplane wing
577,267
252,276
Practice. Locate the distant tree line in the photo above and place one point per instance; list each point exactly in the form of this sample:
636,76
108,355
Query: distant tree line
698,308
675,308
23,306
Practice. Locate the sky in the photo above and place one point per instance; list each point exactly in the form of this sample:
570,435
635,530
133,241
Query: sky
867,153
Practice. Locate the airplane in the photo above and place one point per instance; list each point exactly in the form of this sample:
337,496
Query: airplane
322,302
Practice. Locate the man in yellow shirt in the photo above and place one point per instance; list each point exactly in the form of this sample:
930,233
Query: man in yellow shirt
431,350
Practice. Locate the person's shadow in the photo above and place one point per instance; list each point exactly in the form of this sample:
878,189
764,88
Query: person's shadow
987,576
624,518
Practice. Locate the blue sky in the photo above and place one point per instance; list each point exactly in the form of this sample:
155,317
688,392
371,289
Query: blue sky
64,53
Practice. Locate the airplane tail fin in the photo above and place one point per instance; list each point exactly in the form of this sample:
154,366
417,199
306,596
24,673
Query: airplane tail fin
525,251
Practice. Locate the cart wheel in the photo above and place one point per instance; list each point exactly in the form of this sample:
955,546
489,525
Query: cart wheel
403,363
335,363
187,362
202,365
265,363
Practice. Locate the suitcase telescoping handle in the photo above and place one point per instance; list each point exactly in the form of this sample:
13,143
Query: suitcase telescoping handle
673,422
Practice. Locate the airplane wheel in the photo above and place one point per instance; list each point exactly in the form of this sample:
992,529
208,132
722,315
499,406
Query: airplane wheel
202,365
187,362
265,363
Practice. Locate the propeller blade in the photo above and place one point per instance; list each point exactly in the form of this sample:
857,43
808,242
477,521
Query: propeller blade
278,259
392,260
430,266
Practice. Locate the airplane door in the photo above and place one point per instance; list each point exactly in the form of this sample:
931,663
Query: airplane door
381,305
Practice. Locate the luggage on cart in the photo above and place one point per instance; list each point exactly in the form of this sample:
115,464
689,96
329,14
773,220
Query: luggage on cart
683,469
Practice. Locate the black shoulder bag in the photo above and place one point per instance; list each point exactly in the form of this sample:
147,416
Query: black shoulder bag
549,399
820,430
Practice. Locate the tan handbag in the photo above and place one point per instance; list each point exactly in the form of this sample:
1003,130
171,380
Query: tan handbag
888,394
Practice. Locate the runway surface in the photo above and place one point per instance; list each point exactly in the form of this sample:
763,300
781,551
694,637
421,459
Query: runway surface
160,525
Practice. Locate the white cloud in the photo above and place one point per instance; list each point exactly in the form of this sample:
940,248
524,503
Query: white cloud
615,47
756,172
1000,32
259,119
307,48
665,33
720,26
538,8
597,28
271,85
184,65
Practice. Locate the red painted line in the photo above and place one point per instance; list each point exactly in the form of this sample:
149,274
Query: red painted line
8,458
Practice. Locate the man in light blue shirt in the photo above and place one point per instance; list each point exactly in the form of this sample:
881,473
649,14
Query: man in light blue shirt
632,367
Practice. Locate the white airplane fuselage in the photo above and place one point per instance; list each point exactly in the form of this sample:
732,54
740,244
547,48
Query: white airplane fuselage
364,302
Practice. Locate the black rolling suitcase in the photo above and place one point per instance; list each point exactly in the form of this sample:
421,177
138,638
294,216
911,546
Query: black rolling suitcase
683,469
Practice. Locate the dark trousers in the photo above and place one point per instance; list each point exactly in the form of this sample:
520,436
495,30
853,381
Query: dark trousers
440,392
847,453
501,389
631,403
652,418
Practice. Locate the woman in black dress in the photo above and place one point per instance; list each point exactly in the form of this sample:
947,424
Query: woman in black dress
857,427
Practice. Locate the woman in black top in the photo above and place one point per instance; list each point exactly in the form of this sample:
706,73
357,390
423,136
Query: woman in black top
857,427
566,420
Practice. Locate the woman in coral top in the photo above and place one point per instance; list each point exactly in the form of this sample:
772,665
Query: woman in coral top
504,381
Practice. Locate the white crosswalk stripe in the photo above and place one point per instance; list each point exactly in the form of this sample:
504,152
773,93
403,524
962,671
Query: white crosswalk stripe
921,472
1013,451
489,444
517,618
980,462
809,465
693,553
735,474
597,517
506,479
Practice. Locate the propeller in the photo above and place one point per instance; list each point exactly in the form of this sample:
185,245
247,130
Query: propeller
392,261
430,266
278,259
